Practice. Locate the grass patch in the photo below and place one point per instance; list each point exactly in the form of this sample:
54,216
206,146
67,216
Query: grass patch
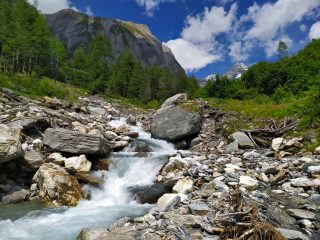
37,88
262,107
191,106
256,112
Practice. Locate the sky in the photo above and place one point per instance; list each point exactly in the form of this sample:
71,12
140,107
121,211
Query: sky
210,36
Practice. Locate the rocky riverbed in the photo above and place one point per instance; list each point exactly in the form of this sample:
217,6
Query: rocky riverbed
215,187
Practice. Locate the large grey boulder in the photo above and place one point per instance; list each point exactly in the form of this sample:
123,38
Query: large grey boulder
63,140
244,141
10,146
56,186
174,123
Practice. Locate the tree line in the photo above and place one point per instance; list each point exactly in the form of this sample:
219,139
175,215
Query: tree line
290,76
295,77
28,47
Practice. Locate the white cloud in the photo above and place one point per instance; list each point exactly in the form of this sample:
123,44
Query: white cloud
303,28
151,5
223,2
216,32
271,18
197,46
88,11
51,6
315,31
191,56
239,52
203,27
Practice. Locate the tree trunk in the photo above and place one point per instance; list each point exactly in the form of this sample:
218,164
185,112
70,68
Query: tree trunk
23,65
29,67
17,59
13,60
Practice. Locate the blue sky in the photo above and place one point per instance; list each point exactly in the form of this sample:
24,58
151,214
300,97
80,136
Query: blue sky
209,36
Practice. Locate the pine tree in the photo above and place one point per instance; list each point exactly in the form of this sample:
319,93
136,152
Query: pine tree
282,49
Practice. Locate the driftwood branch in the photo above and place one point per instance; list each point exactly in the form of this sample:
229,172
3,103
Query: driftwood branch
261,136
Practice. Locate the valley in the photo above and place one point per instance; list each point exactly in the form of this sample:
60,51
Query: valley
104,135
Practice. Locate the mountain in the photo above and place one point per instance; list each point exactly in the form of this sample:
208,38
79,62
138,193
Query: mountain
76,30
234,73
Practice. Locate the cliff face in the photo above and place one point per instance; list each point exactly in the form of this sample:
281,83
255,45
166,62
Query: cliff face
76,30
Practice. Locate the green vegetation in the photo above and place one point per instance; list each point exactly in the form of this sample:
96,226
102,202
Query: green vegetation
40,87
29,52
289,87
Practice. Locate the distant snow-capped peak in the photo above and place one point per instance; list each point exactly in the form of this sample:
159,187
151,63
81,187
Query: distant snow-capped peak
234,73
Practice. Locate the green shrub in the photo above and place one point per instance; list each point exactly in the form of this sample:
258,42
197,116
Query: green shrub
154,104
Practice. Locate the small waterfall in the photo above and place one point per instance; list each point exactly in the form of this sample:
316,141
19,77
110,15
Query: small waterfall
107,204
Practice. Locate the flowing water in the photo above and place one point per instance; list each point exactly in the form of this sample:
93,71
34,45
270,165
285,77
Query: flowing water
107,204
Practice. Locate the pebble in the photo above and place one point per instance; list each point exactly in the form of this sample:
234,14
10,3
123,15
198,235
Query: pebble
248,182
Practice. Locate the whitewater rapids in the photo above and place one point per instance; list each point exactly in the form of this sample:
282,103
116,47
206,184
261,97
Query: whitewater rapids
107,204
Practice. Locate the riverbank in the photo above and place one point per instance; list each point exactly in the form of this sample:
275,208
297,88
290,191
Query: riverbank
224,187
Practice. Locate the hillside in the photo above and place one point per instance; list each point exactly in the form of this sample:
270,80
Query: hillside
106,56
76,30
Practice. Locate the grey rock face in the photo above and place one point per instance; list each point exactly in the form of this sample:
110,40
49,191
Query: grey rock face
244,141
292,234
77,30
16,197
232,147
280,216
33,158
63,140
172,101
302,214
97,110
150,194
29,122
175,123
10,146
198,208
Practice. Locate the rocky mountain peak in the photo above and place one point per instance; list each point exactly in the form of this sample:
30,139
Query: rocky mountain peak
76,30
236,71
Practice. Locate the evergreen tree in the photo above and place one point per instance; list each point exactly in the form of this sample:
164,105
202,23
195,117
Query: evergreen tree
121,73
282,49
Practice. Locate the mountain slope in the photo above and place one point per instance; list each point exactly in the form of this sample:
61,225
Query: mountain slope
76,30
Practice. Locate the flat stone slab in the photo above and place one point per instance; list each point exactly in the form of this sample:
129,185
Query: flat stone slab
63,140
244,141
302,214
